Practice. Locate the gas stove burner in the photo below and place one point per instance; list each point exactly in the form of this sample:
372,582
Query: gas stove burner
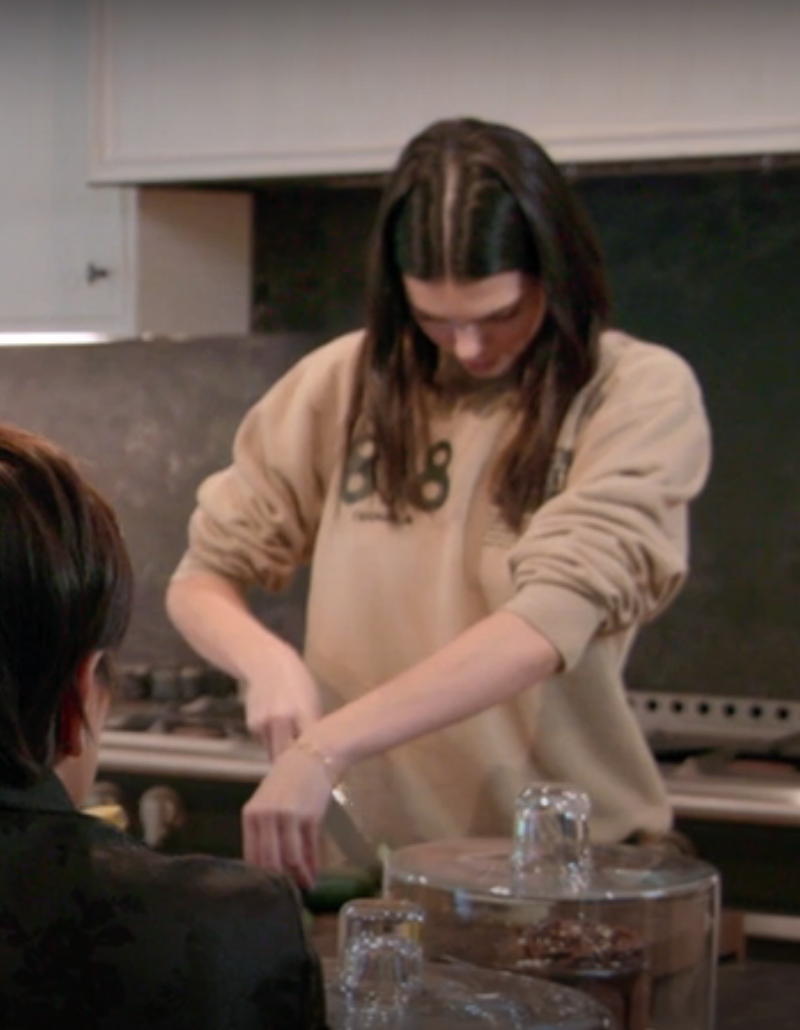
206,717
174,684
193,701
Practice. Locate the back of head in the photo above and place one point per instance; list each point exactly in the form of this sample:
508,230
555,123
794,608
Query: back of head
65,593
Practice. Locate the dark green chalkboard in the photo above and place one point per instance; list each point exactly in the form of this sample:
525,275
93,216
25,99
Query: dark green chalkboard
709,264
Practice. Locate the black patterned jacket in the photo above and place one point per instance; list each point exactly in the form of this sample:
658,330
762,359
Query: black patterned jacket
99,932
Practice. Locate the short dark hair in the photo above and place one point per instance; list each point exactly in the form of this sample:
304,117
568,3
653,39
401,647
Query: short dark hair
66,589
469,199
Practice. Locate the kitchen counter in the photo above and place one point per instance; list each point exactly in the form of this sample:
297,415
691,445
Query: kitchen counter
752,994
757,995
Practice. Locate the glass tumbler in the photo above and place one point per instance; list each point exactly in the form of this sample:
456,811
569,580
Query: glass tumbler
380,959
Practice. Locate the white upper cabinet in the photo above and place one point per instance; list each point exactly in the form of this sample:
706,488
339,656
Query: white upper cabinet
239,88
61,244
76,257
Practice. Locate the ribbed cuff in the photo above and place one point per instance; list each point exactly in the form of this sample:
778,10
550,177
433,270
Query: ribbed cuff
568,620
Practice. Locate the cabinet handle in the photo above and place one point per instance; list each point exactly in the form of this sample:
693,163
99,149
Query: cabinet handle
95,272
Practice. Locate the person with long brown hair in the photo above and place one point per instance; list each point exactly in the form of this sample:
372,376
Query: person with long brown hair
492,488
97,930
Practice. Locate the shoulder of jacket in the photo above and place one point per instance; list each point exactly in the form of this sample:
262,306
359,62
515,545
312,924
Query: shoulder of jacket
188,880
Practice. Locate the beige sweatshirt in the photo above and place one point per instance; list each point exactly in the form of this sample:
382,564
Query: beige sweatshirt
605,553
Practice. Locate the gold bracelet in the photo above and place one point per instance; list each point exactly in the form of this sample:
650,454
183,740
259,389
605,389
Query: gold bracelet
328,763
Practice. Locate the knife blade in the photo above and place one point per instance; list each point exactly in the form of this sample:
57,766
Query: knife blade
347,831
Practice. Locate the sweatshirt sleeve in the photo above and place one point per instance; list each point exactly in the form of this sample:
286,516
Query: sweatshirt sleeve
611,549
256,521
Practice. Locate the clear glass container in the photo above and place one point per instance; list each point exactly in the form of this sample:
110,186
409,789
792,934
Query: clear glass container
380,981
462,997
634,928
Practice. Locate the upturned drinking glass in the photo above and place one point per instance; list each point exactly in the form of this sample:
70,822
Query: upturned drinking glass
380,960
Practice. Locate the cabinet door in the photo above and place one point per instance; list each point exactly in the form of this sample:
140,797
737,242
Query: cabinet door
217,89
62,243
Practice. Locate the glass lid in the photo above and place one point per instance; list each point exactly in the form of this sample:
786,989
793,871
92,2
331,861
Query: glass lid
381,979
549,857
464,996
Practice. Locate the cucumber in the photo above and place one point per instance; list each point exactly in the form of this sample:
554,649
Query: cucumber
336,886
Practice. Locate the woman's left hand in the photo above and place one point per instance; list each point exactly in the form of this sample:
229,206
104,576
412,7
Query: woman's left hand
281,821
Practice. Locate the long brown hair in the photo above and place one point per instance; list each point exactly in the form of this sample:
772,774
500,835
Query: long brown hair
66,587
469,199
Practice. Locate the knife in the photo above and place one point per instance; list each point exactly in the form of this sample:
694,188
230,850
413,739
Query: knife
347,830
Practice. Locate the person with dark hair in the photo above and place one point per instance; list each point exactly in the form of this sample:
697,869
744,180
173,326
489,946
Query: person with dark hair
492,487
96,930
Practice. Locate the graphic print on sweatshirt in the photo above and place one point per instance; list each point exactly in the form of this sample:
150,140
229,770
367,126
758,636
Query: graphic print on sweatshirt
429,490
499,533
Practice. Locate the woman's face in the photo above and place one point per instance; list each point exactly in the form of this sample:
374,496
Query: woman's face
485,324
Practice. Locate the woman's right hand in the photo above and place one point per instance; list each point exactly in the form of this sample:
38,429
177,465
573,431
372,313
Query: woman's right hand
281,697
281,701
